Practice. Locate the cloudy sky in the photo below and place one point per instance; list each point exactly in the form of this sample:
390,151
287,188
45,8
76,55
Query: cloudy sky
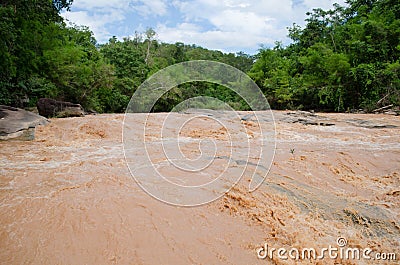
226,25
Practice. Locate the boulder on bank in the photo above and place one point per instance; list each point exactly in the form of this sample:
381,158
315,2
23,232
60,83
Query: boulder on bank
53,108
18,124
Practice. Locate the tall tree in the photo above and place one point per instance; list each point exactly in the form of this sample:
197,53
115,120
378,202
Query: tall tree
29,28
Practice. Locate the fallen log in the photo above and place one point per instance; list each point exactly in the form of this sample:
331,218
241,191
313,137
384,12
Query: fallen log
383,108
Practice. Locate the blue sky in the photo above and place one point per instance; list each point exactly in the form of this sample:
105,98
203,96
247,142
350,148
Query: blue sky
226,25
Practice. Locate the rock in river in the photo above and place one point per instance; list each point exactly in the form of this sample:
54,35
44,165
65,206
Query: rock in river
18,124
53,108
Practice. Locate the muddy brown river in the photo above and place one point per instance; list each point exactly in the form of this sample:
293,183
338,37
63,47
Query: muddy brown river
68,197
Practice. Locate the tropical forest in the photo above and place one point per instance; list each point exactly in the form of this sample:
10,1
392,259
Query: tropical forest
344,59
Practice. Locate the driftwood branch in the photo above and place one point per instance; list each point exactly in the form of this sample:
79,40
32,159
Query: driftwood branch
383,108
382,99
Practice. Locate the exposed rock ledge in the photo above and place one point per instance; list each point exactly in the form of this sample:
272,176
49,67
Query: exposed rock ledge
48,107
18,124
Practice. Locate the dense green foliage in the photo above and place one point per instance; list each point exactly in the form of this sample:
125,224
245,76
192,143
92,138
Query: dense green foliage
137,58
344,58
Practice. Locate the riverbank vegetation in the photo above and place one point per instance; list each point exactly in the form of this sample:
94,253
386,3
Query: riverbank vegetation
343,59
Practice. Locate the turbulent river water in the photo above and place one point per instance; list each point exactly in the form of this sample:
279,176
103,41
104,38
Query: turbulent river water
68,197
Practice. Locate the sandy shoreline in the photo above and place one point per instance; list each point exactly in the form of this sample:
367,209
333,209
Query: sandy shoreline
68,198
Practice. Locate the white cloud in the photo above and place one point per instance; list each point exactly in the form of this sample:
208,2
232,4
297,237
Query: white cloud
83,18
154,7
244,24
236,4
326,4
227,41
238,21
96,22
143,7
231,24
225,25
102,4
98,15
